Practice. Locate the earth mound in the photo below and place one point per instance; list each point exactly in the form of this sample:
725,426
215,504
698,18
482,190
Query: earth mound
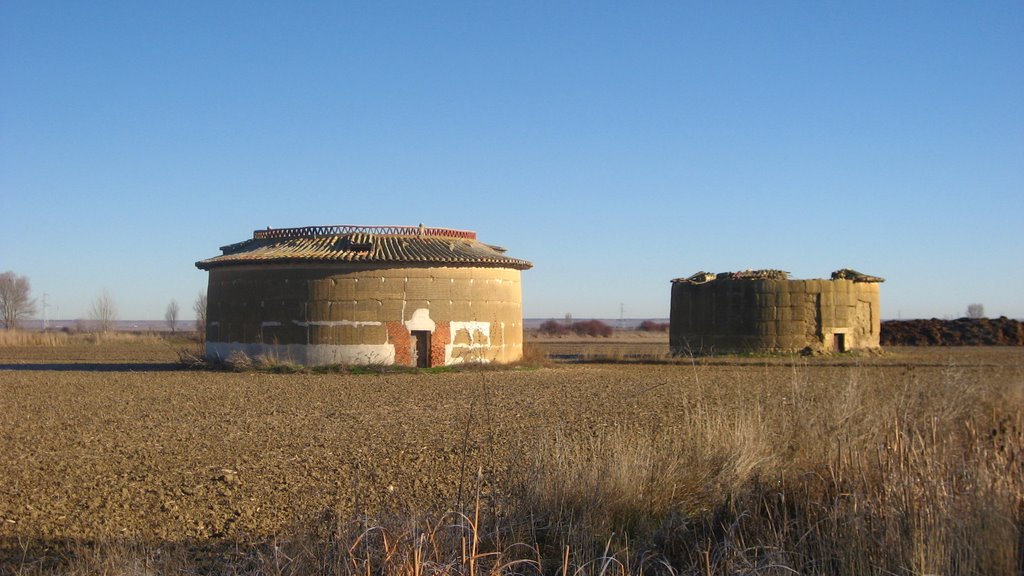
1000,331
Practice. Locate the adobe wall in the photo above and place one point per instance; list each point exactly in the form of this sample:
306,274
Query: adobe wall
784,315
360,314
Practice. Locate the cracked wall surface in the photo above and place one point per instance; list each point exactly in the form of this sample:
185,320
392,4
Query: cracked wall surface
360,314
784,315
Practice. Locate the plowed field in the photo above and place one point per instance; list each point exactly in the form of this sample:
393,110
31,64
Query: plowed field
131,448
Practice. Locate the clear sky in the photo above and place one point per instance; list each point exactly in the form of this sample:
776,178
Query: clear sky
616,145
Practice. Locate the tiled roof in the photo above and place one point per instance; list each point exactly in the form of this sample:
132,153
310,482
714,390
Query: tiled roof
364,244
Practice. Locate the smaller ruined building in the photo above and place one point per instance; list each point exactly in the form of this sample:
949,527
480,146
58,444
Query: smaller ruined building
405,295
764,310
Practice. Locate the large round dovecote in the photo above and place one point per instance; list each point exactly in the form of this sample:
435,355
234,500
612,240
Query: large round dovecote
764,310
413,296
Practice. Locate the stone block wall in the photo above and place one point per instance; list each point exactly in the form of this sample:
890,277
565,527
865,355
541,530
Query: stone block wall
727,315
352,314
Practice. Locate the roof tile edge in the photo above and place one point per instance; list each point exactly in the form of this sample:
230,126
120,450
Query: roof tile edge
313,231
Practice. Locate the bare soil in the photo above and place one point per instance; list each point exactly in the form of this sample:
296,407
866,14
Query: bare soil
111,443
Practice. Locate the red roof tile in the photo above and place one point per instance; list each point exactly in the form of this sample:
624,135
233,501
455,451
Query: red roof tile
364,244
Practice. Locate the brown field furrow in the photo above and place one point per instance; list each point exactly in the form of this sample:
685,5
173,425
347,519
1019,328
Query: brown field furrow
144,454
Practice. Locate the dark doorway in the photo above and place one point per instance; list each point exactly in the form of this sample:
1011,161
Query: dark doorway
839,342
422,338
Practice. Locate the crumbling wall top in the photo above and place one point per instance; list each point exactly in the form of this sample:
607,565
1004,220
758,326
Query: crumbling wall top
770,274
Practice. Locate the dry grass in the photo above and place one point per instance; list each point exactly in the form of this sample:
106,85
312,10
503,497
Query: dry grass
20,347
23,338
121,338
533,356
916,483
55,339
846,476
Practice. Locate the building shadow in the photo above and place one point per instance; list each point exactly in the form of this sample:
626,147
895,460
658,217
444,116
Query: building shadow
93,367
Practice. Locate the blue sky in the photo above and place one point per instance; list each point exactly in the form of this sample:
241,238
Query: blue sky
615,145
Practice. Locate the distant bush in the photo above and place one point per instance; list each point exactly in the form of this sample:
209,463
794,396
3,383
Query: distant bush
652,326
592,328
553,328
582,328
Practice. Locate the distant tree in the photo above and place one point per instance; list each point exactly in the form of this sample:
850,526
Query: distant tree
15,300
199,307
582,328
171,315
975,311
103,312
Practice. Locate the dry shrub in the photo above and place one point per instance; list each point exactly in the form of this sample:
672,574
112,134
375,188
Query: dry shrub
239,361
192,357
273,363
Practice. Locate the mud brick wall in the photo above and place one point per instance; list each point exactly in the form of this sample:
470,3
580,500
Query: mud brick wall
354,314
743,315
438,344
401,339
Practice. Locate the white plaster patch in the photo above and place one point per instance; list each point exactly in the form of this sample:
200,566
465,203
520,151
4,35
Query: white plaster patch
472,328
479,334
309,354
420,321
355,323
